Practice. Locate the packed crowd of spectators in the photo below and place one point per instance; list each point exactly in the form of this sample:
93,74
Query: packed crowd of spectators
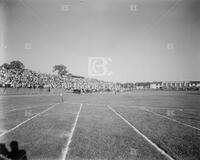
25,78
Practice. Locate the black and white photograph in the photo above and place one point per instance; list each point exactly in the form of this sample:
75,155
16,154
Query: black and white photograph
99,79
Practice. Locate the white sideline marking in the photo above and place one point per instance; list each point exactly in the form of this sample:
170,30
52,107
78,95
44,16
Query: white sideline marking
147,139
10,130
25,108
11,110
28,95
65,151
171,119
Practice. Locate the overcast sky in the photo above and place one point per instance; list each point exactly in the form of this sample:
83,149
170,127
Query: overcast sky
146,40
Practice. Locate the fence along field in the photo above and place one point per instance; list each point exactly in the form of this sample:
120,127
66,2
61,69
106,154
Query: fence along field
98,132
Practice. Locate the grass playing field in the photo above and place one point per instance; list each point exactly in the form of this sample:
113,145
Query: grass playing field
142,125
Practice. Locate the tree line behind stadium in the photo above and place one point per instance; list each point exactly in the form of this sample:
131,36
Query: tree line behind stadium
15,75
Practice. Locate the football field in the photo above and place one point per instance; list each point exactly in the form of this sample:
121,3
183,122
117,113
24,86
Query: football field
142,125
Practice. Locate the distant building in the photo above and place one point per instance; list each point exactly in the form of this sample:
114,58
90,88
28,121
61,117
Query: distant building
181,85
156,85
142,85
165,85
194,83
175,84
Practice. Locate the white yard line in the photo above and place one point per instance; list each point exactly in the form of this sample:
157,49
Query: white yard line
66,149
12,129
71,103
184,124
147,139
